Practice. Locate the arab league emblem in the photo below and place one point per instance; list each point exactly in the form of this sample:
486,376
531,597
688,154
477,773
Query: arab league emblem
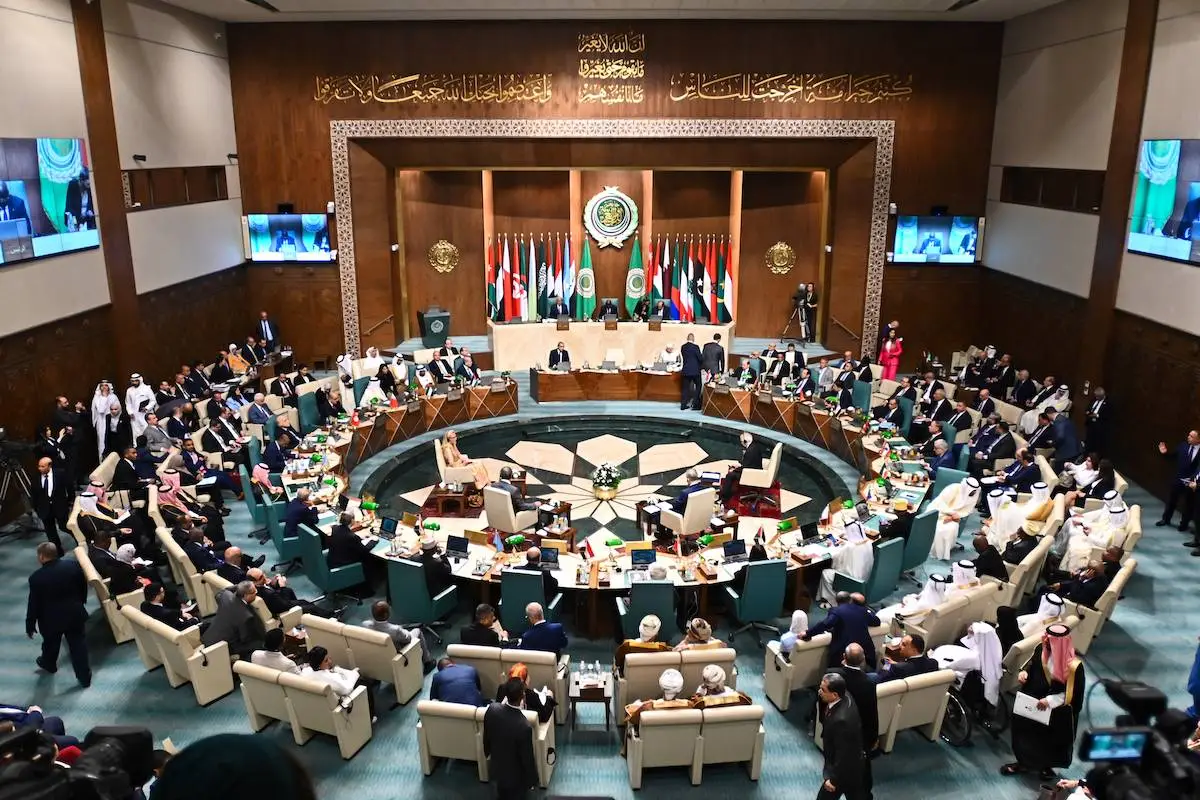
610,217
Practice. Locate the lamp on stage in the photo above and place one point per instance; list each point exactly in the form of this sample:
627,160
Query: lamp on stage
434,323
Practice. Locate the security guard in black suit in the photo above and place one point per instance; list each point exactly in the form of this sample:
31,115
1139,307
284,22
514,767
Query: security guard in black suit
57,593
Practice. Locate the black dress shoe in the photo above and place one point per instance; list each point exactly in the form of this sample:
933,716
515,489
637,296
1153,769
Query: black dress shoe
258,562
224,511
1161,523
1196,552
1192,543
42,666
1183,528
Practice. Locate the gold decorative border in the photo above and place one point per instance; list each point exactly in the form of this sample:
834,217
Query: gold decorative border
342,131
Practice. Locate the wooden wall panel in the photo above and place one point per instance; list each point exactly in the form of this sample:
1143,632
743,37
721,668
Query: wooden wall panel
938,308
1037,325
777,207
444,205
371,185
842,299
611,264
306,301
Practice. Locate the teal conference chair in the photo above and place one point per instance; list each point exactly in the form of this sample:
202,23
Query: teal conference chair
256,449
920,542
317,569
410,598
861,392
287,549
885,573
945,477
310,418
761,599
519,588
964,457
648,597
257,515
906,409
360,388
270,428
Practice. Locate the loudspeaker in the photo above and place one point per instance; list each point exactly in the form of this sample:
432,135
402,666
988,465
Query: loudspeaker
285,208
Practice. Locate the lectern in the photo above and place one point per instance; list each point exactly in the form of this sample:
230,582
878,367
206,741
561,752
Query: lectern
434,323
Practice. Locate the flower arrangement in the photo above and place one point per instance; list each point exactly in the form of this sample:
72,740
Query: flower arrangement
605,479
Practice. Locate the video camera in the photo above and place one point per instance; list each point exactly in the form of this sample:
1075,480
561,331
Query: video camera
116,761
1146,756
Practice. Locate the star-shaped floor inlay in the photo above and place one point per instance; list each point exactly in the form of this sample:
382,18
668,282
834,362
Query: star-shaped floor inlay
543,456
606,449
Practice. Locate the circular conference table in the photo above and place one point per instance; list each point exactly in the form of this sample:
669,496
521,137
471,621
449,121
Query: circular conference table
594,582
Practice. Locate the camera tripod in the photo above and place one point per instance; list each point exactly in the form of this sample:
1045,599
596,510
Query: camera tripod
12,473
800,323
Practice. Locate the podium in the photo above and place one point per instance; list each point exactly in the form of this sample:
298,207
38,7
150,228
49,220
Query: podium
434,323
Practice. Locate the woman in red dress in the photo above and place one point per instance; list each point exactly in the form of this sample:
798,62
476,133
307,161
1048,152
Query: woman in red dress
889,354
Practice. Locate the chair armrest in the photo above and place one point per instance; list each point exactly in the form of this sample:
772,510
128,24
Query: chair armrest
290,618
214,652
564,663
733,595
449,590
842,581
192,634
552,606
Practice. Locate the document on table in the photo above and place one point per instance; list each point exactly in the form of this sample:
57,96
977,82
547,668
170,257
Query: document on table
1026,706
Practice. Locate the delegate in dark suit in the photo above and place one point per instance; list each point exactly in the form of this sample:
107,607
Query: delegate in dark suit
752,458
693,361
518,503
479,635
346,548
508,741
57,594
125,477
846,623
861,689
237,624
456,683
1187,464
51,496
1066,441
298,513
558,356
712,357
11,206
841,740
946,459
909,667
167,616
548,637
559,310
275,457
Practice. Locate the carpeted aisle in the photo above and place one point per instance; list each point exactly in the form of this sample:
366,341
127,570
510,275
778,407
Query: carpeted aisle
1152,637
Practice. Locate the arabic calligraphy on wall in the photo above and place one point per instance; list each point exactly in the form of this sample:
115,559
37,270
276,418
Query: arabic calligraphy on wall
611,93
612,68
790,87
429,89
628,42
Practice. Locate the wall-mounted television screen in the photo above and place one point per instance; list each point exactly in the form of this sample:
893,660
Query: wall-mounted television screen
288,237
1165,218
937,240
46,201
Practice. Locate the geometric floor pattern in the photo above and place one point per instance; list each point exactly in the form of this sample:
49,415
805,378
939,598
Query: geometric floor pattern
558,472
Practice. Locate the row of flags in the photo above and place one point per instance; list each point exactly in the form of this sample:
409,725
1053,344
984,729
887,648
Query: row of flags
524,278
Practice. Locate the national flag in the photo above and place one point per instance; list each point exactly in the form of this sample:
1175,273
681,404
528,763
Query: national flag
687,311
588,552
505,292
676,284
761,536
585,285
661,259
520,281
724,286
635,278
531,266
700,290
568,279
545,287
710,278
490,271
557,268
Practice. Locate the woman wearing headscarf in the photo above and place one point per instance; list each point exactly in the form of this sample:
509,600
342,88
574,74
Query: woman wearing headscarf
980,651
699,637
646,642
1007,628
1055,678
914,607
541,702
954,504
231,766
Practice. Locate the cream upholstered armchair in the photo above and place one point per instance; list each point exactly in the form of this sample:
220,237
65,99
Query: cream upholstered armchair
497,505
665,739
762,479
804,669
696,513
451,474
733,735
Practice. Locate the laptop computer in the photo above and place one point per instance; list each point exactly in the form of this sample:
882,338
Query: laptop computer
456,546
609,365
549,559
387,528
563,366
735,551
643,559
809,533
863,510
660,366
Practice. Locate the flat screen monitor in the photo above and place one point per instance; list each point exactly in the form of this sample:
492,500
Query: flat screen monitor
549,556
46,199
734,548
1164,220
288,237
644,557
937,240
